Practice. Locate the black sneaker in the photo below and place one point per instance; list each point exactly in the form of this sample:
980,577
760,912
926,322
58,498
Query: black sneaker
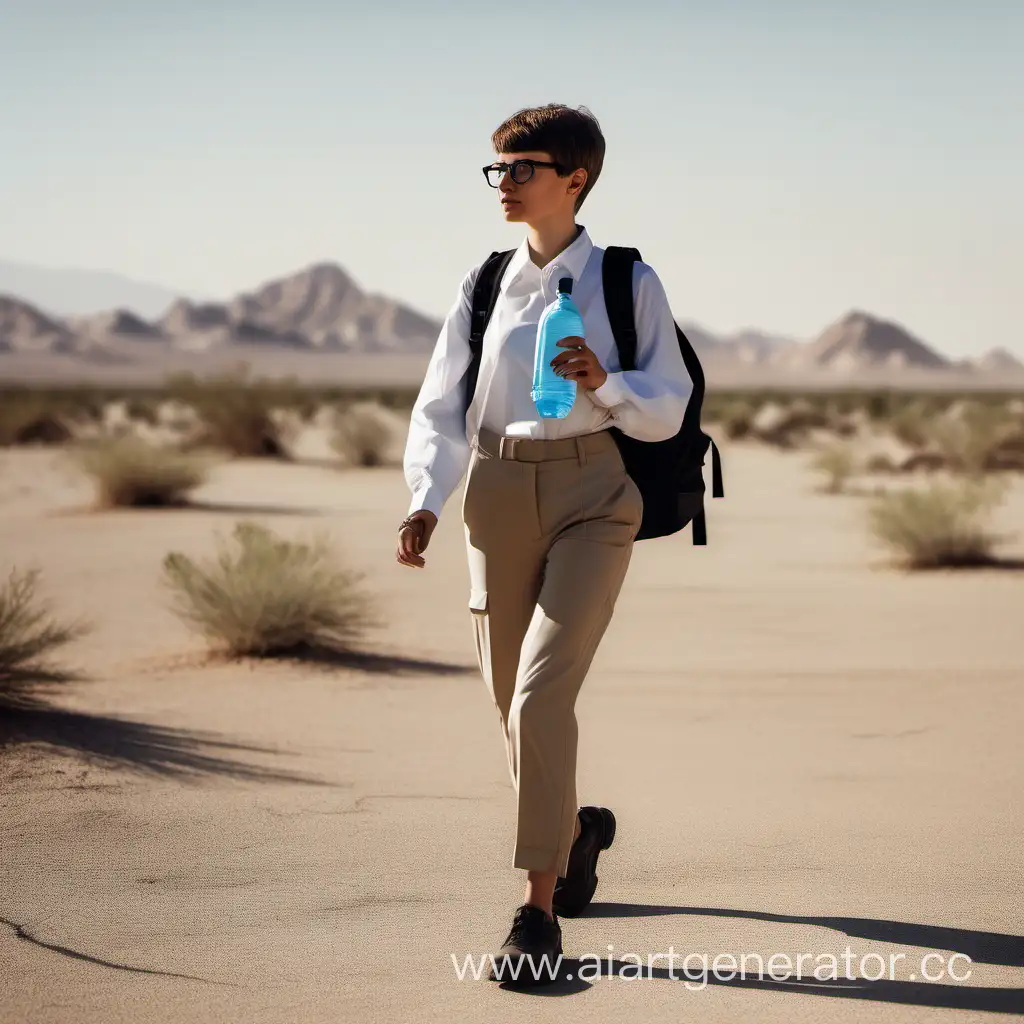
531,950
576,890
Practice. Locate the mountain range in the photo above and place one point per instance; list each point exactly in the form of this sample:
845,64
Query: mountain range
321,309
74,292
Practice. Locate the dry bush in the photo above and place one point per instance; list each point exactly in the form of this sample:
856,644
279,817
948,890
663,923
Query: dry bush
266,595
29,632
173,414
881,405
736,417
128,471
969,441
236,414
1008,452
143,409
788,424
879,462
909,424
365,433
32,419
839,463
844,424
938,526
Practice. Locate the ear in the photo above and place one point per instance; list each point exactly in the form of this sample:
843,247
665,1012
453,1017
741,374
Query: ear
578,180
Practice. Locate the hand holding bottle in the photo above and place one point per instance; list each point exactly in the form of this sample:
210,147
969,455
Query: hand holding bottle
580,364
555,377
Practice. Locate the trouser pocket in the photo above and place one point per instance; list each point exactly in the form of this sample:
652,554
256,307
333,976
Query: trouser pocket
481,636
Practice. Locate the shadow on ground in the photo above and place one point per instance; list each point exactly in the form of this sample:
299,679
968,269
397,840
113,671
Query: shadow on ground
33,724
372,662
37,730
981,947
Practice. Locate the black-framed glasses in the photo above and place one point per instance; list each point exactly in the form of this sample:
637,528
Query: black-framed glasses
521,171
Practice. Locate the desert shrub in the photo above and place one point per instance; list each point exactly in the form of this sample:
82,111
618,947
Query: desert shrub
265,595
27,418
29,631
176,416
969,441
1008,453
939,526
143,409
715,403
838,463
910,423
128,471
787,424
365,432
235,412
736,417
845,403
882,405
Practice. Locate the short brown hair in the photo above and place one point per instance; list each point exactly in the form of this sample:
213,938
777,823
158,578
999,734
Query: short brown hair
572,137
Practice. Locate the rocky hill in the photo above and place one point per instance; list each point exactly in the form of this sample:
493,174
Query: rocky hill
282,324
860,341
320,308
25,328
997,360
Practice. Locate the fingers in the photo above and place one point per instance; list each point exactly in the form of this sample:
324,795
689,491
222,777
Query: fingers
566,358
409,548
577,348
572,367
412,560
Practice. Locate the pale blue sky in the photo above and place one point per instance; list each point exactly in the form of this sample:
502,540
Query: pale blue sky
777,162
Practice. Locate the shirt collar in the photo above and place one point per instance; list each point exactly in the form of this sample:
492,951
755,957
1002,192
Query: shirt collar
568,263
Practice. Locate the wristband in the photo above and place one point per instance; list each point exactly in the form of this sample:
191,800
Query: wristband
409,521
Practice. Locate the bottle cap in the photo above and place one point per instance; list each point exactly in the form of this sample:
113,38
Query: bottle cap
565,285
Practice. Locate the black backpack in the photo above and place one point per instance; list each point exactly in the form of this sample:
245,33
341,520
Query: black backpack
669,473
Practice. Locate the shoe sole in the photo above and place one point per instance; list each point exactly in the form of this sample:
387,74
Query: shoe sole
608,824
607,835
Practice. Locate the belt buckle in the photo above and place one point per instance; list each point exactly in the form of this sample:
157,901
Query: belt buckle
509,444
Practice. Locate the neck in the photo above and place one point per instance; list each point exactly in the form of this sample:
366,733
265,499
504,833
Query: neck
548,238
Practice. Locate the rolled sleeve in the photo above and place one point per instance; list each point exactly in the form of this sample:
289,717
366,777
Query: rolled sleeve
649,403
437,451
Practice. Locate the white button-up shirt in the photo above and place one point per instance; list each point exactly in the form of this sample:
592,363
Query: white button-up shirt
647,403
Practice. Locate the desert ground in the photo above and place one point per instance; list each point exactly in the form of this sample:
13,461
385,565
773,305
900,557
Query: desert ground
807,750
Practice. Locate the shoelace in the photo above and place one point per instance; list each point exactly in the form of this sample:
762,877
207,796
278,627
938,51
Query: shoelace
524,924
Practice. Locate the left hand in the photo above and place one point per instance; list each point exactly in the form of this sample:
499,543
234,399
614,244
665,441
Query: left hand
581,365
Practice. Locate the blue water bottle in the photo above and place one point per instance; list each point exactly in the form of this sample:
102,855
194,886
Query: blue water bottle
554,395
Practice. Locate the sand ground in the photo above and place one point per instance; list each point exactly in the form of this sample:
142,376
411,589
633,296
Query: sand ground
807,752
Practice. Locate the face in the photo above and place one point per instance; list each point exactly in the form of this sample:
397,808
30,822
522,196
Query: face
545,195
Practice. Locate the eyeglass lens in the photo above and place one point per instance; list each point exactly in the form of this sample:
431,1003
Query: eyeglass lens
520,172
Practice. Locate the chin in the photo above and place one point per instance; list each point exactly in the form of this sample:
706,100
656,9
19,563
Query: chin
512,213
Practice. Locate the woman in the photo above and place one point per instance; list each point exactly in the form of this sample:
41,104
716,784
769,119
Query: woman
550,512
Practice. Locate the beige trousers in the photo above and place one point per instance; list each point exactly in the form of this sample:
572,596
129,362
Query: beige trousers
549,531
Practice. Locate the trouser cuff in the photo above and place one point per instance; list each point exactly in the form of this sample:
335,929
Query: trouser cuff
539,858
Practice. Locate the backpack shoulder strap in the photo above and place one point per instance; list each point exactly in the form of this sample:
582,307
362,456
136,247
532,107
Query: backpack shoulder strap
485,293
617,280
485,297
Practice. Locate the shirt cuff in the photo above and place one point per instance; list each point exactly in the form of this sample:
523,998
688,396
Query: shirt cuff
610,392
426,498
